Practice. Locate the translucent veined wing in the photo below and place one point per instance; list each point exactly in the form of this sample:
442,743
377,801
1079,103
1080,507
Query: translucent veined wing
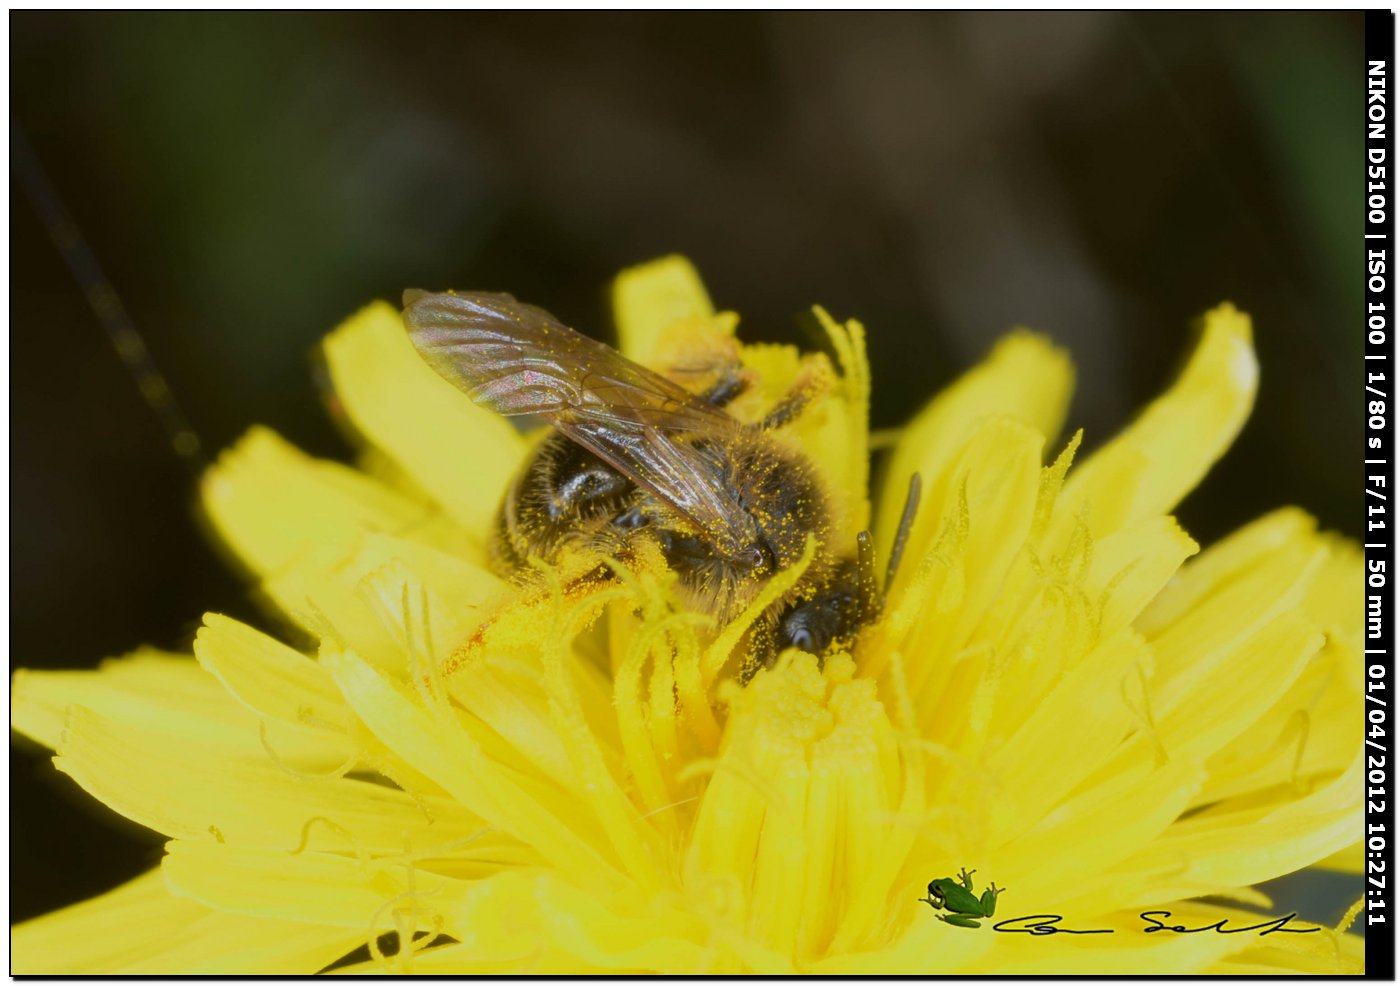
517,359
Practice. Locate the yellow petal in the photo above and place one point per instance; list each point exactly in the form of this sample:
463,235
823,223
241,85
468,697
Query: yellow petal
351,593
538,961
1024,377
1232,687
926,944
141,929
160,693
804,798
1267,572
1310,733
516,915
972,525
1352,859
1133,565
269,502
1258,546
189,790
1164,454
368,895
1235,608
129,688
1330,599
1229,635
1095,830
1229,849
269,677
530,923
1084,705
649,298
441,748
1337,955
462,455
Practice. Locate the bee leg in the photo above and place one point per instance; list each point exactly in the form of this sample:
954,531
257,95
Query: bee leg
763,650
807,389
729,386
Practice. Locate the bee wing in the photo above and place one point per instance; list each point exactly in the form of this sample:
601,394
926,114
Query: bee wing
517,359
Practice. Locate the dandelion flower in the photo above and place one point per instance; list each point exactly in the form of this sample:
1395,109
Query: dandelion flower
1063,694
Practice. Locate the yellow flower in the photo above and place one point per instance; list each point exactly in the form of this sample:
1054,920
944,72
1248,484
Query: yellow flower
1055,697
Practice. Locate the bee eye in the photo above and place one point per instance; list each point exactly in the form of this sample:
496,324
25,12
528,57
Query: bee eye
802,639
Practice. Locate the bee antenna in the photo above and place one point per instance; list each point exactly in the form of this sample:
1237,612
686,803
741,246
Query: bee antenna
906,524
102,298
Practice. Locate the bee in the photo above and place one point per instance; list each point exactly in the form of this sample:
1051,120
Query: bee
635,455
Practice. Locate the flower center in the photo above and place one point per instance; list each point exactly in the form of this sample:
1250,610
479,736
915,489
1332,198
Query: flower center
797,817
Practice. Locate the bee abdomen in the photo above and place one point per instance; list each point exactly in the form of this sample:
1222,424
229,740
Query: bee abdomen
561,495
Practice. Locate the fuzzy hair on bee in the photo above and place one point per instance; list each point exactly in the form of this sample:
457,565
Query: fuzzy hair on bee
635,456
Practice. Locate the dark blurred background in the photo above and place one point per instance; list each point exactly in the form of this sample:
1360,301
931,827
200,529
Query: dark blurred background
249,179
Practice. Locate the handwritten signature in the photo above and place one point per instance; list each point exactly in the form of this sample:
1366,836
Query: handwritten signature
1049,924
